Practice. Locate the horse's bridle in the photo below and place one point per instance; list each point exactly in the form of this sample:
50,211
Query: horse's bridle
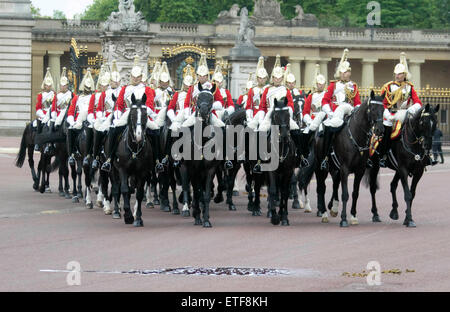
140,146
277,109
417,139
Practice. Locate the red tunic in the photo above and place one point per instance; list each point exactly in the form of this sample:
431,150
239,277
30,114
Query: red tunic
263,106
329,97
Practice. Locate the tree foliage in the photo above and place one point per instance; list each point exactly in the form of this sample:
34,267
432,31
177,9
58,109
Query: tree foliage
330,13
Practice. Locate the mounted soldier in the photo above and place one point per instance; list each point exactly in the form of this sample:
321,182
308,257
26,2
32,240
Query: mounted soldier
175,110
122,109
254,115
242,99
97,99
105,107
289,82
78,112
193,92
45,100
341,98
225,93
400,101
312,110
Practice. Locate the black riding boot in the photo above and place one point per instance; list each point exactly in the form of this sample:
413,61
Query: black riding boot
95,148
89,140
385,146
38,131
156,148
300,148
228,164
114,132
70,145
327,137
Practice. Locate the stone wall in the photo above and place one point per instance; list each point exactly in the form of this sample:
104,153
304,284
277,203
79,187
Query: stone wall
15,64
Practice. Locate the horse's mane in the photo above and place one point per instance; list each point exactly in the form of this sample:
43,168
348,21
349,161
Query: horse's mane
237,118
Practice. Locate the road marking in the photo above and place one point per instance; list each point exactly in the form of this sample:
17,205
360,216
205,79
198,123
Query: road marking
9,150
50,211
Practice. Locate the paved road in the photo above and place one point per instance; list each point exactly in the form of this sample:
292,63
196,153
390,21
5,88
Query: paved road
44,232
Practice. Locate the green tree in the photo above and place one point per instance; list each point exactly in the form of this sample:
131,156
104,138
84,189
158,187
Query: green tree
100,10
57,14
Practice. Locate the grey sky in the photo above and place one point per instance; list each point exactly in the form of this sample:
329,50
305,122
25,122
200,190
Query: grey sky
68,7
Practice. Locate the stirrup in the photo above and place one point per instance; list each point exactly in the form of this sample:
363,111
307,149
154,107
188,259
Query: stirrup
86,160
36,147
324,164
94,164
257,168
176,163
165,161
71,160
228,165
382,163
159,167
369,163
106,166
304,162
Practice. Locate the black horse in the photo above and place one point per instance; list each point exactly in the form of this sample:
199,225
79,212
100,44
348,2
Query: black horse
27,148
408,156
280,178
201,172
350,151
134,159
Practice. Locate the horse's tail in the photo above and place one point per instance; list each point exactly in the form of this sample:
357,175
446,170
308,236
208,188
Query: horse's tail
368,176
23,148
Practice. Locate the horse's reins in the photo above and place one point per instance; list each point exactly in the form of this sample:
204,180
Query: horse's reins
420,140
283,158
368,134
140,146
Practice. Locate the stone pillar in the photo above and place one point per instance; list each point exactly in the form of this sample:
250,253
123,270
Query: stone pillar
37,77
368,76
54,62
296,63
15,65
414,69
310,69
240,70
324,67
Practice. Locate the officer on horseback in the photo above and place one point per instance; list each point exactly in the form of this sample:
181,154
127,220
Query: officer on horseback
45,100
105,107
63,99
400,101
78,112
254,115
341,98
312,110
121,110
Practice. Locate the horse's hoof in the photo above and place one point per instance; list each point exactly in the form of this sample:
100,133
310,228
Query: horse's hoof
99,204
156,202
376,219
75,200
250,207
231,207
285,222
295,204
90,206
344,223
393,215
176,211
275,219
269,214
107,211
319,214
80,195
207,224
116,215
42,189
334,214
235,193
198,222
325,220
185,213
35,186
62,194
218,198
411,224
129,219
354,220
67,196
308,209
149,205
256,213
166,208
138,223
48,190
